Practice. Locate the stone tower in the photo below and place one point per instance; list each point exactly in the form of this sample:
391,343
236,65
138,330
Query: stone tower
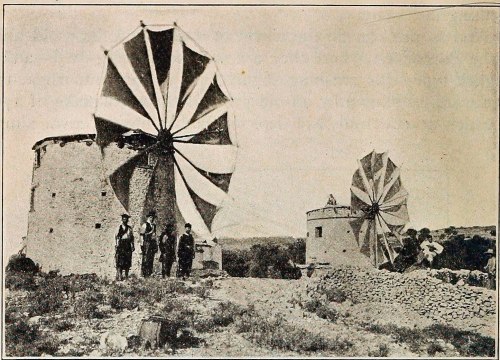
330,239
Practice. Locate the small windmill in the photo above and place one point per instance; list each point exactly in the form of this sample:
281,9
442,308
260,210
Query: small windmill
162,92
380,199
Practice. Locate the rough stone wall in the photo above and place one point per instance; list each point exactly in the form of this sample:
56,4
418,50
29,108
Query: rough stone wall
73,215
416,291
338,245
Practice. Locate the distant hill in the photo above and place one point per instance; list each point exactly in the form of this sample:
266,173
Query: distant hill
468,232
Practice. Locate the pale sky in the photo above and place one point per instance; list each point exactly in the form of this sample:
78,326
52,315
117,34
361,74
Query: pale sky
314,89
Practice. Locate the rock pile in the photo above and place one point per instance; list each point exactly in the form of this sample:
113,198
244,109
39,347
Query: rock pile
474,278
416,291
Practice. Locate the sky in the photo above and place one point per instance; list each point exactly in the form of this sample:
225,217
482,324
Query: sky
314,88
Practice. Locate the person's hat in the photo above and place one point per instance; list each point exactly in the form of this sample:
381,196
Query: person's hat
125,216
151,213
489,251
188,225
170,225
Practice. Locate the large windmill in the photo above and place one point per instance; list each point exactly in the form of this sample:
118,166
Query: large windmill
163,94
380,199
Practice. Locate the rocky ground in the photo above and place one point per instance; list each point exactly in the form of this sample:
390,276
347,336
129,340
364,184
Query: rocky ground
267,317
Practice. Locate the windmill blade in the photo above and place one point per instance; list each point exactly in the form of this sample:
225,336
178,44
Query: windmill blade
359,228
393,220
388,187
174,78
366,183
108,131
119,179
203,187
361,195
218,159
115,111
394,229
399,211
381,180
201,85
399,198
188,208
160,101
203,123
384,230
122,62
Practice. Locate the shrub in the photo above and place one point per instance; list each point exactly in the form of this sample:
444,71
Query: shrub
18,280
47,298
87,305
275,333
321,310
21,263
63,325
23,339
335,295
381,351
434,348
226,312
236,263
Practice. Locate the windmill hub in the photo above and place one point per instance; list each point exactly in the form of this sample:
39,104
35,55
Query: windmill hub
373,210
166,141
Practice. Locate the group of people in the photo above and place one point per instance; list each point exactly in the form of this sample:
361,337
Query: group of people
166,243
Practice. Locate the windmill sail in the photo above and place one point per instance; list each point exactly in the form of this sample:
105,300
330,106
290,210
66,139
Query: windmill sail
378,194
163,93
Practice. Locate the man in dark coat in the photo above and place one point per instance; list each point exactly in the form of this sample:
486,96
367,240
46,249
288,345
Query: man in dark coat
124,247
185,252
149,246
167,246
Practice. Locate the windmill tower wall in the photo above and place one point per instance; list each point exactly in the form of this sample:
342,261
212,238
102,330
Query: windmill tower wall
74,212
330,239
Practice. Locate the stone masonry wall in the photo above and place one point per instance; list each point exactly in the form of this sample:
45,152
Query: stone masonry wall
416,291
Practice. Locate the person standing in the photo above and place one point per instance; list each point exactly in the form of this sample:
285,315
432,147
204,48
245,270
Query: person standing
149,246
167,247
124,247
185,252
491,268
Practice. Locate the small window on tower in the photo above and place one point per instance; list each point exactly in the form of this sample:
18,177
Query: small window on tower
53,195
32,200
103,193
319,231
51,230
97,226
38,157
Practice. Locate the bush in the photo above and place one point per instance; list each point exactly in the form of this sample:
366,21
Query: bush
275,333
467,343
87,305
236,263
21,263
321,310
19,280
335,295
47,298
434,348
23,339
382,351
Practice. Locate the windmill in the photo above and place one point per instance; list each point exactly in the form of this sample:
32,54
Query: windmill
380,200
162,95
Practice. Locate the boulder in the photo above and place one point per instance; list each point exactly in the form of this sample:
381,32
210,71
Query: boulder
114,342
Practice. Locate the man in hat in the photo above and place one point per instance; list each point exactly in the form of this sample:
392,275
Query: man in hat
149,247
124,247
167,246
185,252
491,268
